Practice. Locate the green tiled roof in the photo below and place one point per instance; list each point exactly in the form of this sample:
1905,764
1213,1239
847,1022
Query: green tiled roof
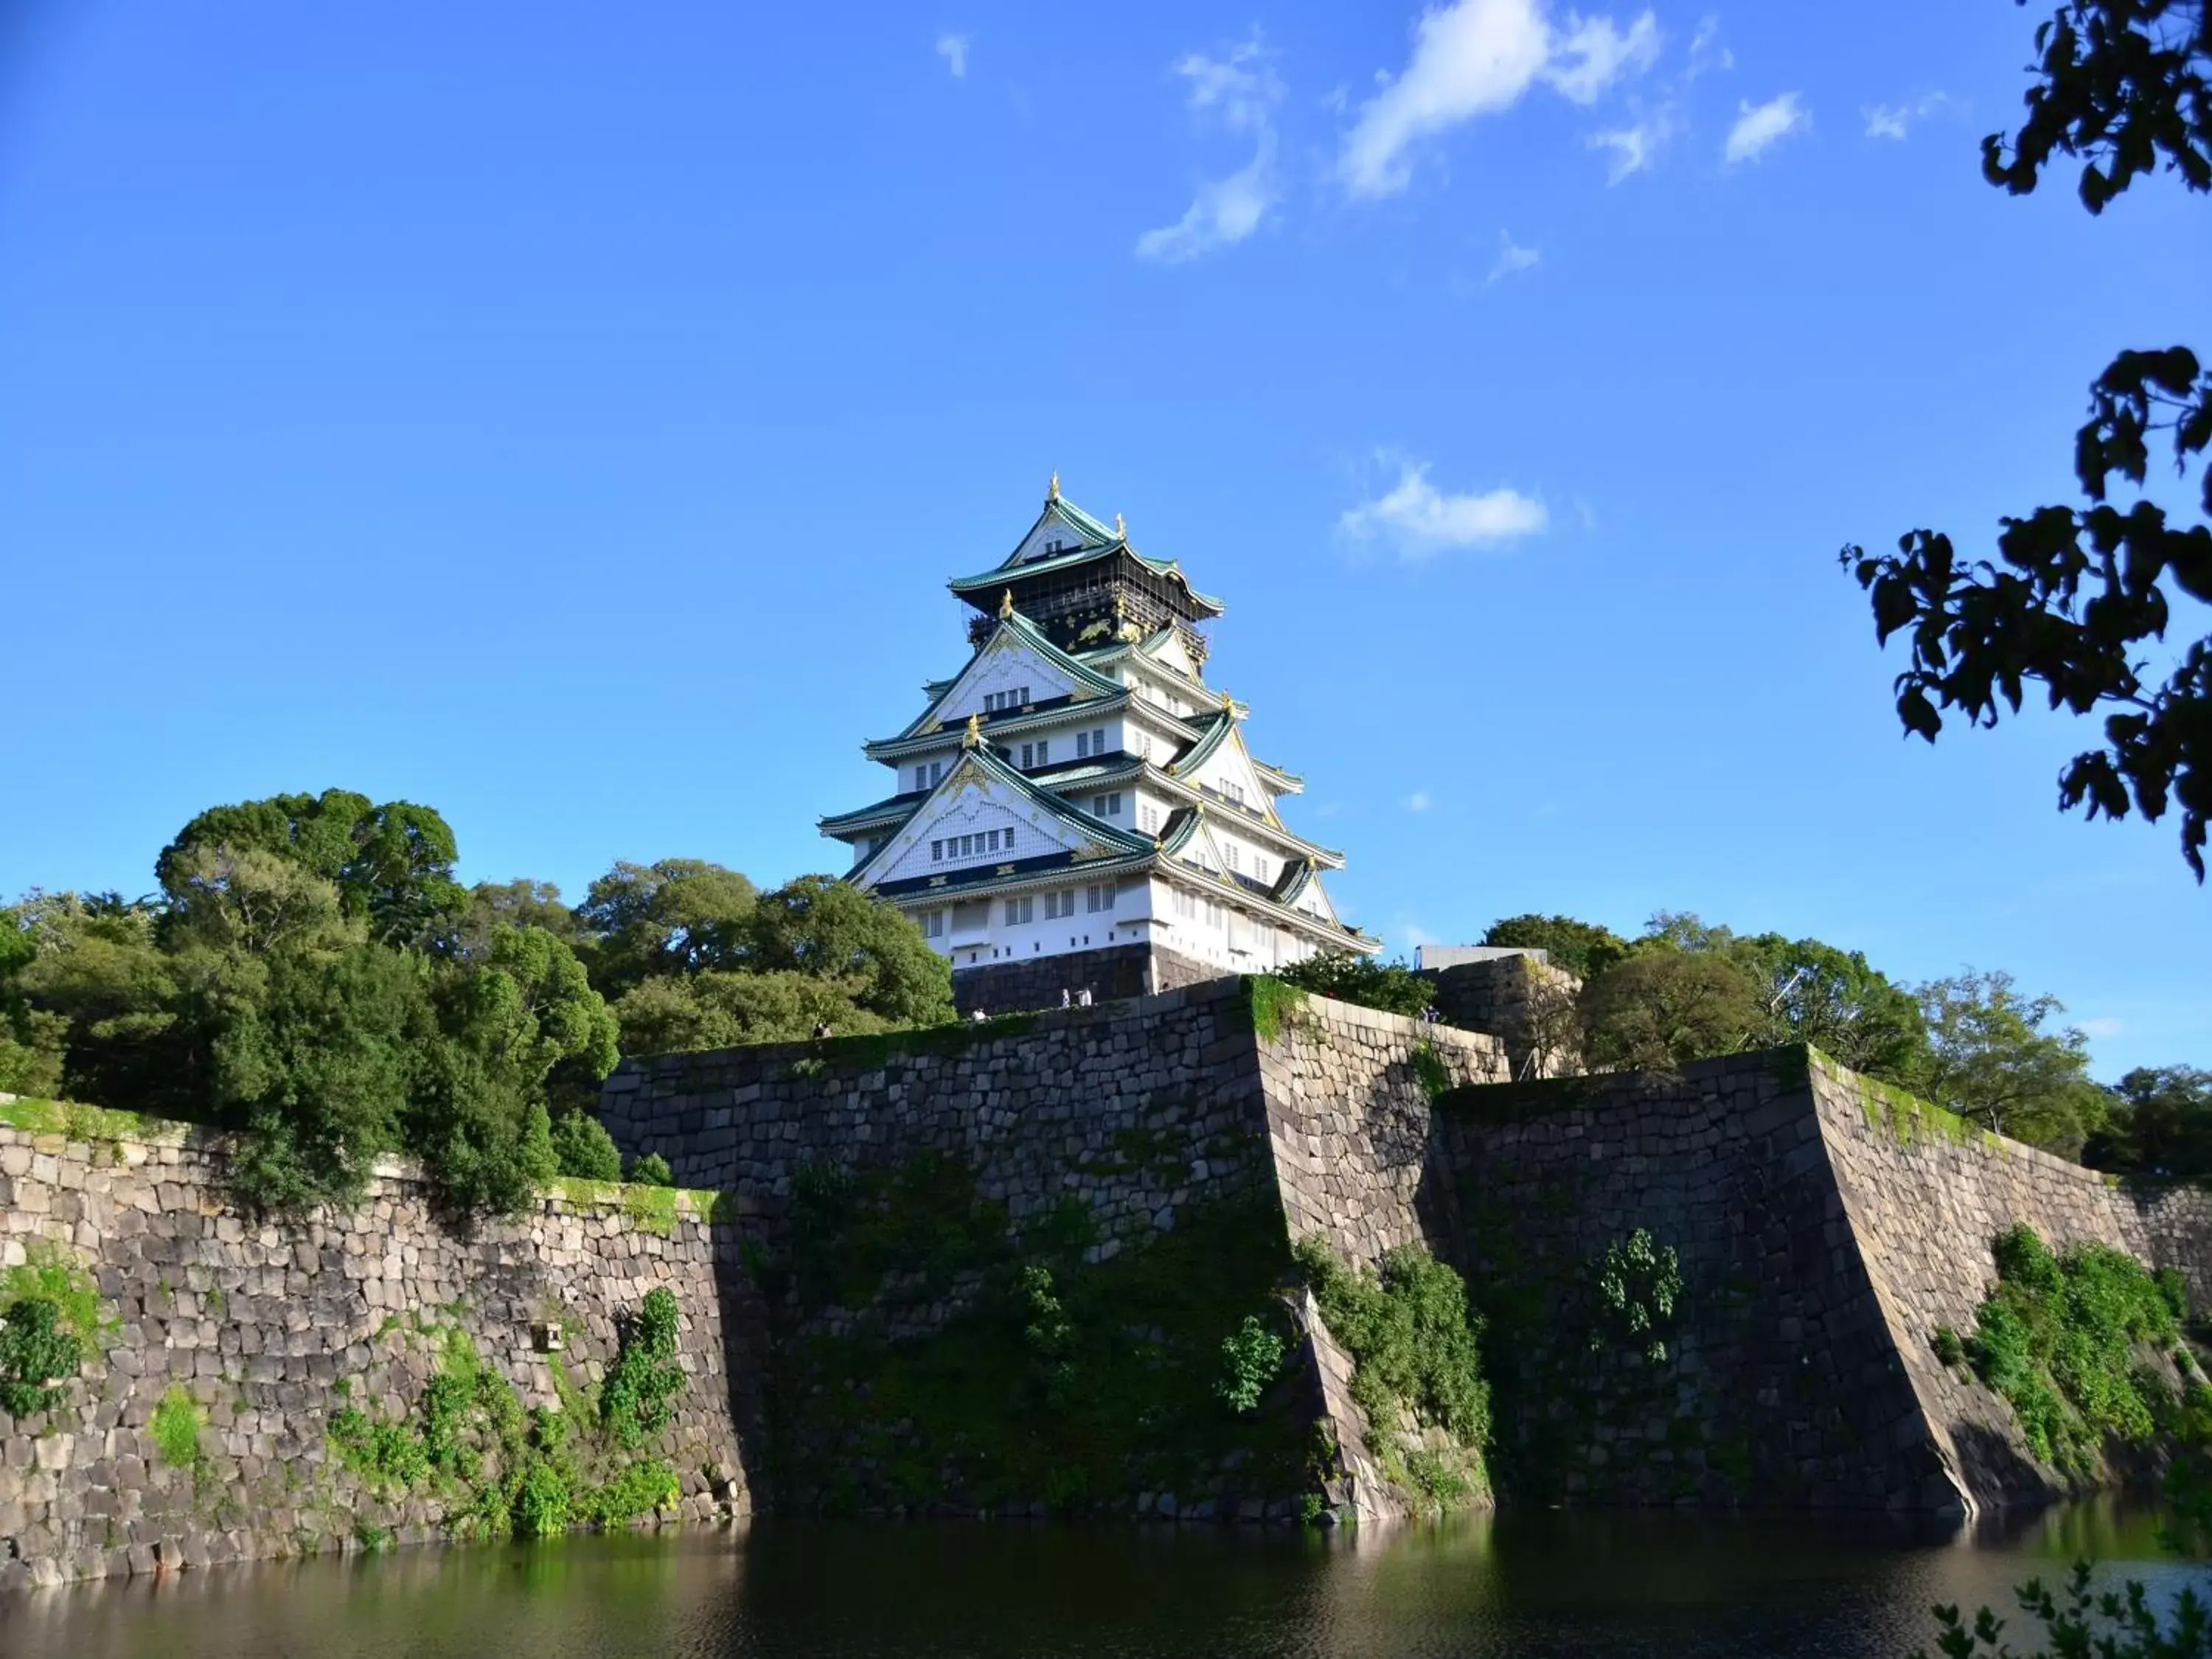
1097,541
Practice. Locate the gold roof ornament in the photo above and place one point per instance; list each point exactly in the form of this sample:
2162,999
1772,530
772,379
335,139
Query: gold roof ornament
1120,529
1052,490
1006,604
973,736
1121,606
1228,702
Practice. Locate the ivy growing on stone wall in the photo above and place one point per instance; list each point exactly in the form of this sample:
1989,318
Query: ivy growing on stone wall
53,1322
499,1470
38,1359
925,1355
1638,1284
1417,1364
2066,1339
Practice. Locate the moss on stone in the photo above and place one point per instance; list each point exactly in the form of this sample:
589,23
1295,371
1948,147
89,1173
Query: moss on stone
75,1121
1272,1004
973,1368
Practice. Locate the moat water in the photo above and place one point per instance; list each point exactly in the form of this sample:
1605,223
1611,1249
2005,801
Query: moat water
1516,1587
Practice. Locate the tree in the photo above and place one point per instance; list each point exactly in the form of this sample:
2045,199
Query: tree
1392,987
521,903
825,927
392,865
133,1025
33,1040
478,1113
1989,1061
318,1071
2159,1122
714,1009
1663,1006
1584,949
676,916
2125,86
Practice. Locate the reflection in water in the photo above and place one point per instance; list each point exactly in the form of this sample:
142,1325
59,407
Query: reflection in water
1520,1585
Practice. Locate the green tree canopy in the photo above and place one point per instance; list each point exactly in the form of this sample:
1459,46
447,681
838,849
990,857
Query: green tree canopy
1584,949
521,903
1990,1060
392,865
1663,1006
2159,1122
829,929
716,1010
676,916
2076,596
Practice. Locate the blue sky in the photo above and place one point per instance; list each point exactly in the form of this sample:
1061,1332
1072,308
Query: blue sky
566,416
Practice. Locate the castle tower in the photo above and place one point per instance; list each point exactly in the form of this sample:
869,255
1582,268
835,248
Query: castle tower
1075,808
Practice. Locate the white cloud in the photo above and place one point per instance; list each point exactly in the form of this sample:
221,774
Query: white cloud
1895,120
1759,127
953,49
2105,1027
1594,53
1637,146
1511,258
1419,520
1707,52
1412,935
1237,92
1476,57
1224,212
1418,801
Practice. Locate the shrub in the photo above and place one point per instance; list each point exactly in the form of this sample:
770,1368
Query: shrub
1638,1284
2077,1622
651,1171
38,1358
1411,1338
583,1148
634,1398
2058,1338
176,1429
1949,1351
541,1508
1392,987
1251,1359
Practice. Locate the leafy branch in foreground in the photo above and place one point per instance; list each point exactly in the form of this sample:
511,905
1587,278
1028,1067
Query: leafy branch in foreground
2075,594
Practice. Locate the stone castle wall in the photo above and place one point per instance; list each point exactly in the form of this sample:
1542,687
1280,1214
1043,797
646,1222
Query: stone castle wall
1318,1107
1524,1002
260,1324
1110,973
1824,1227
1923,1199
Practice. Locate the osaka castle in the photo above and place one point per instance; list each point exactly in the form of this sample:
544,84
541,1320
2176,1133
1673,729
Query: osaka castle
1075,810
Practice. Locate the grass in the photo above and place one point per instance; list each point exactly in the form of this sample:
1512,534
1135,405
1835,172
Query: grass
176,1429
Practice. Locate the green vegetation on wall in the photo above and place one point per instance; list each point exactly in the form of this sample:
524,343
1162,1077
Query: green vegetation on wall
51,1322
1048,1375
1417,1369
498,1470
312,976
2059,1338
1392,987
175,1426
38,1359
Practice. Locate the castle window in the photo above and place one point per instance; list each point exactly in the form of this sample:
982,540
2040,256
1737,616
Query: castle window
1236,856
1082,745
1019,910
1029,755
921,777
1098,897
937,852
1098,740
1057,905
936,771
933,924
1044,749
